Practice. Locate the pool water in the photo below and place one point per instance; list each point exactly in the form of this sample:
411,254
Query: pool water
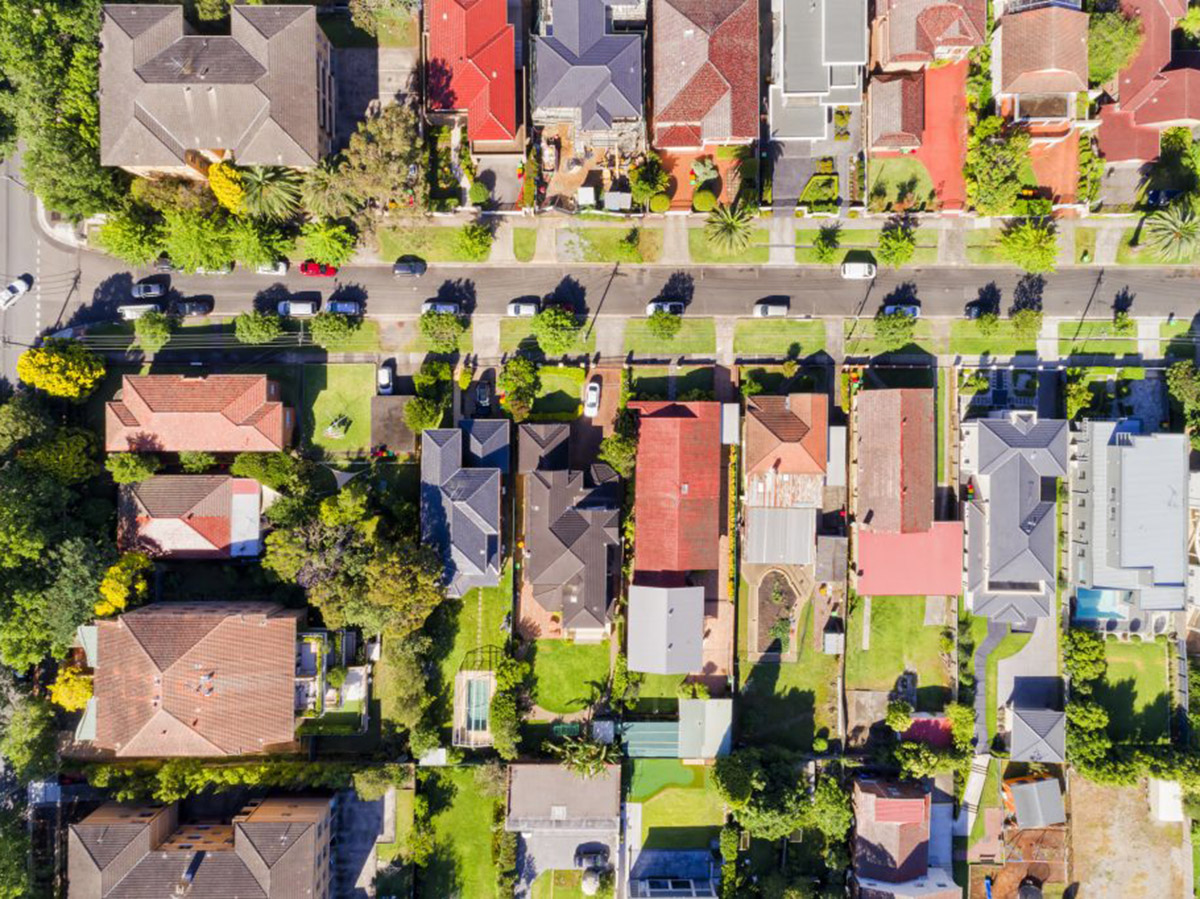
1098,604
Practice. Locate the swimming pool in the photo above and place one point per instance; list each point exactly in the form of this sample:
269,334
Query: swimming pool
1098,604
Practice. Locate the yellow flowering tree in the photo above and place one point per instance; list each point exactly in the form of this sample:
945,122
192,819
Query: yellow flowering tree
123,583
63,368
72,689
226,184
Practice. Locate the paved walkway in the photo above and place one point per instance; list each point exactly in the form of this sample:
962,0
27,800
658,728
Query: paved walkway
995,633
970,803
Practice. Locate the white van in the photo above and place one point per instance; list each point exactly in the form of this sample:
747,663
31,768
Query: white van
134,311
297,308
770,310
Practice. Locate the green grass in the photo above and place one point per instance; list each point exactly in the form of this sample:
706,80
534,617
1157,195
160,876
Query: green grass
899,642
364,339
1176,340
386,852
983,247
565,673
562,391
772,337
863,342
558,885
1006,648
462,858
1136,691
524,243
466,341
332,723
612,244
659,694
517,334
478,618
697,336
430,242
331,391
1093,338
1085,245
680,805
396,29
894,172
651,382
856,240
990,798
703,253
1129,252
966,340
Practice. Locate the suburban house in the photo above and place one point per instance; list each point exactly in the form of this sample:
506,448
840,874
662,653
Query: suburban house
1129,524
471,72
786,455
587,75
1037,735
702,733
1035,801
543,446
1011,466
278,847
193,679
666,629
460,508
185,516
817,60
1159,89
213,413
1040,59
172,102
901,549
706,73
557,812
892,843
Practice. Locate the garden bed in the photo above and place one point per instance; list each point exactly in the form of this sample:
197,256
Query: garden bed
776,611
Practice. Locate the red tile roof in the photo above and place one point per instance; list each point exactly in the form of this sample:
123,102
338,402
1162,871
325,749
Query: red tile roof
787,433
1044,51
915,30
678,495
928,563
895,468
181,516
471,65
706,75
215,413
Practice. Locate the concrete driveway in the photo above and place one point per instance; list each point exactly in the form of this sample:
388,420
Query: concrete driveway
499,173
357,825
540,852
586,433
1032,672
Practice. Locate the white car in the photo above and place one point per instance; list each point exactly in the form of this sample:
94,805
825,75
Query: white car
858,271
385,379
15,291
671,307
439,306
591,400
770,310
279,268
523,308
296,308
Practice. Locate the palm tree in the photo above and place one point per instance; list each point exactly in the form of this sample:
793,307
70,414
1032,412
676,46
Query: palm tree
584,757
1173,233
272,192
730,228
325,193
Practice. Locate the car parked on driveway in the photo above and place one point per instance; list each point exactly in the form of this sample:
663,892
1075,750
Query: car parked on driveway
148,290
441,306
344,307
912,310
15,291
317,269
385,379
483,394
671,307
409,267
591,399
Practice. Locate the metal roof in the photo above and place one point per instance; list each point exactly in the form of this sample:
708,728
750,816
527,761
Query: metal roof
666,629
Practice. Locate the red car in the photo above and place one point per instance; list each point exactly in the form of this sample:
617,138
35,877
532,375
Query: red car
317,270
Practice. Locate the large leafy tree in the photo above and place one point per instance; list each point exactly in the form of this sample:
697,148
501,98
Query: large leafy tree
996,154
897,242
442,331
152,330
131,236
62,368
422,413
327,242
195,240
519,379
1032,244
894,330
330,329
254,242
1113,42
130,468
377,165
271,192
325,193
15,849
23,420
27,743
585,757
556,330
69,456
403,587
1173,234
765,790
256,327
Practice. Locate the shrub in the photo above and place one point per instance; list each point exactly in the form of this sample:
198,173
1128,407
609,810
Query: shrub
152,330
660,203
196,461
663,325
442,331
257,327
479,193
226,184
704,201
129,468
124,583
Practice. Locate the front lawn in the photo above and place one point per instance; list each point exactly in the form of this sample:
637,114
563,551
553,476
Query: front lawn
337,407
900,183
517,334
558,885
852,241
860,339
524,243
1130,252
900,642
1085,245
680,805
561,395
652,382
461,864
1094,338
633,245
704,253
983,247
696,337
773,337
476,620
432,243
466,341
1176,340
568,674
1136,691
967,340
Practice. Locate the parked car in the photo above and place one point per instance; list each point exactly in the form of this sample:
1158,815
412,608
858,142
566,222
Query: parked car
15,291
591,399
976,308
409,267
344,307
671,307
192,307
279,268
770,310
317,269
385,379
164,265
297,308
133,311
588,859
858,271
523,307
148,290
223,270
483,394
441,306
912,310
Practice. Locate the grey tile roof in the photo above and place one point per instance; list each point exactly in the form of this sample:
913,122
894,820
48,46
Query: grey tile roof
543,446
666,629
164,91
487,442
460,512
547,797
1039,735
580,64
780,536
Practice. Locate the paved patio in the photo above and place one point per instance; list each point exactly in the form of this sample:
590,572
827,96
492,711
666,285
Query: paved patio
944,140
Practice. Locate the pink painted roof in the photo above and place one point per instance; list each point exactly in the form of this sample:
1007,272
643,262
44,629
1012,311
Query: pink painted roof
472,65
927,563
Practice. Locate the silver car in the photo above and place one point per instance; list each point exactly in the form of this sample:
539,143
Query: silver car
591,400
148,290
15,291
439,306
279,268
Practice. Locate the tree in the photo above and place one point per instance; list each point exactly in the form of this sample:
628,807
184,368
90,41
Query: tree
1032,244
648,179
479,195
894,330
1190,24
124,583
130,468
1183,383
897,242
23,420
324,192
69,456
31,515
899,716
585,757
987,324
327,242
664,325
1078,394
212,10
403,681
404,586
62,368
366,13
475,241
442,331
1084,659
195,240
1113,42
281,472
1088,742
28,741
1123,324
257,327
226,183
272,192
422,413
330,329
15,851
254,242
1173,234
762,787
832,813
729,229
556,330
196,461
152,330
995,156
130,236
519,379
1027,324
384,151
619,451
72,689
827,241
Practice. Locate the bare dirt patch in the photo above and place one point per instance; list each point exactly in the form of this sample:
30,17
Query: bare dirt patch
776,608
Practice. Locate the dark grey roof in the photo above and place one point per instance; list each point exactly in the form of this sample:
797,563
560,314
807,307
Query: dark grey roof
220,875
460,512
572,546
666,629
579,64
1039,803
254,92
542,446
487,442
1038,735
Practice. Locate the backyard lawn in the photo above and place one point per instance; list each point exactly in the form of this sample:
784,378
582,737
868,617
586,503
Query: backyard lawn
1094,338
697,336
651,382
863,342
478,618
561,396
680,805
704,253
757,337
900,642
1136,691
524,243
659,694
461,864
855,240
568,674
430,242
1009,646
631,245
990,798
899,182
337,407
967,340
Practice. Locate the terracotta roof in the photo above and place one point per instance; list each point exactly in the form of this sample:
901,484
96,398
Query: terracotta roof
915,30
895,469
706,75
471,65
215,413
196,679
891,830
924,563
897,110
787,433
678,489
183,516
1044,51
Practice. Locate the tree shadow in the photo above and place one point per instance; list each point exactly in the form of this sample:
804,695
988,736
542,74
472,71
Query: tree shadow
460,291
267,300
1123,301
352,292
107,297
1028,293
1128,725
989,298
680,286
905,292
571,294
